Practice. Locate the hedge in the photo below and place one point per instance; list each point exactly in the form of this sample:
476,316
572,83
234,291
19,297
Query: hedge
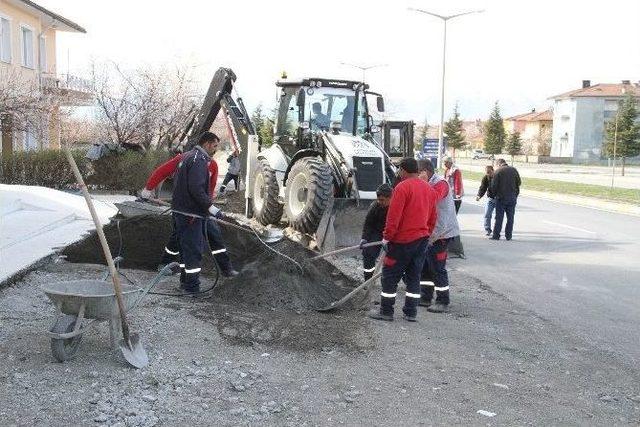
126,171
47,168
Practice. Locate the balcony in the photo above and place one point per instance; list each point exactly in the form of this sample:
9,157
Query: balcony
73,90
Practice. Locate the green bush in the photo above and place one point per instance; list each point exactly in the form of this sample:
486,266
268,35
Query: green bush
46,168
126,171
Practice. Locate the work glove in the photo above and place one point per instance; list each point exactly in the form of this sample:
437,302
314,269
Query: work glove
362,243
385,245
215,212
146,194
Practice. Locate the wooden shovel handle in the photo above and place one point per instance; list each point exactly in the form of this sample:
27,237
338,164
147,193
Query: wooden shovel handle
103,242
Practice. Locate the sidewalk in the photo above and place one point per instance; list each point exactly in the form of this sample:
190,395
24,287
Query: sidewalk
471,188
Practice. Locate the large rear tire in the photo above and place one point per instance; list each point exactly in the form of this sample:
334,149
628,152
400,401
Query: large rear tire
309,187
266,208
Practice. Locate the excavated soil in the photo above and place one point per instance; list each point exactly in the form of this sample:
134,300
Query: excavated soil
267,280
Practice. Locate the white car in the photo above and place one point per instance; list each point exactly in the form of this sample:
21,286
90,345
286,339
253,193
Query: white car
480,154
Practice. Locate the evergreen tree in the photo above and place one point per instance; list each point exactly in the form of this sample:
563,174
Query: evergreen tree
626,135
514,144
455,132
263,126
494,134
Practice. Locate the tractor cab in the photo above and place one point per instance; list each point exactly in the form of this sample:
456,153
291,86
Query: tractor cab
396,137
311,106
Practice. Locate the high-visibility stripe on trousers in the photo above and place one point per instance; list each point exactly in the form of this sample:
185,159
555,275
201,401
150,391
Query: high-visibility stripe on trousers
434,277
402,261
190,232
369,257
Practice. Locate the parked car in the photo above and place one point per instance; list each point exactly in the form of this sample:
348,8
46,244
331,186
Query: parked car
480,154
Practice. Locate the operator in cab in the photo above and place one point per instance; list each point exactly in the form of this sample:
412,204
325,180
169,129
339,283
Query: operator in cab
318,118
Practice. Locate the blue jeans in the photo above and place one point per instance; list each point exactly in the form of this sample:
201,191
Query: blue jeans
488,213
505,205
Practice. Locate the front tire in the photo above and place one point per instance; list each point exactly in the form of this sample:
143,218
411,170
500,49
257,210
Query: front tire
309,187
264,201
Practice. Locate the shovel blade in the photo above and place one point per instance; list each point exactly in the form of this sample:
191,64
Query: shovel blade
133,352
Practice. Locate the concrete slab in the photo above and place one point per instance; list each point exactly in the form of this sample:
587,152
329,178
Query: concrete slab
35,221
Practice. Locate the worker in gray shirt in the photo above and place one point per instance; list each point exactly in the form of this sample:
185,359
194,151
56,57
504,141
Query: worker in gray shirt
233,173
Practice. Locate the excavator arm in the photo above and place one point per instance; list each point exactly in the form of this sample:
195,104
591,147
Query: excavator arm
220,97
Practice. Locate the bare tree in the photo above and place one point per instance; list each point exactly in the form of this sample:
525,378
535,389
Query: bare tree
23,105
146,107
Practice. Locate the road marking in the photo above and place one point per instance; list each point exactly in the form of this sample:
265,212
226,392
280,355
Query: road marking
570,227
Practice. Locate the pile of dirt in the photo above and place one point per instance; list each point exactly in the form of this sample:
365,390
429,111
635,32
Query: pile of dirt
267,279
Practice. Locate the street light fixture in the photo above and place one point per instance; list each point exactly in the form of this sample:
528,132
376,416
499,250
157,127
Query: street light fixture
363,68
444,19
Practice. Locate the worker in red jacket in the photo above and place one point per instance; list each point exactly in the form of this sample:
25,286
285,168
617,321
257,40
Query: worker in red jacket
410,220
214,234
454,177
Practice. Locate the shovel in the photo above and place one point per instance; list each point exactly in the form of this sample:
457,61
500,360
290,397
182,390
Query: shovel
130,345
351,294
347,249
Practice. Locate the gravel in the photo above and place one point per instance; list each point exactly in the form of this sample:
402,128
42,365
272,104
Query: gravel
283,368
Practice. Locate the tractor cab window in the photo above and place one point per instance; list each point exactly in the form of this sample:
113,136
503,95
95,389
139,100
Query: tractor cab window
326,107
287,120
363,114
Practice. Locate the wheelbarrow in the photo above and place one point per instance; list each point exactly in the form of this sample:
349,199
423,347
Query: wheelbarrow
81,304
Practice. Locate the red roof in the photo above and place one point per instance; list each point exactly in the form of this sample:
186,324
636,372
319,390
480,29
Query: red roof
602,89
533,116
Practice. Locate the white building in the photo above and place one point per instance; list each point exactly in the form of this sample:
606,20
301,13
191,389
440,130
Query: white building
579,118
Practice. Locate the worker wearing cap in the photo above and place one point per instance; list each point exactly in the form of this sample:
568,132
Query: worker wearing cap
214,234
410,221
434,276
373,228
453,176
192,204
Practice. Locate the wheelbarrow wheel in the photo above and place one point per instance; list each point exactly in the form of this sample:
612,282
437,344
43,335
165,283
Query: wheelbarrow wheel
65,349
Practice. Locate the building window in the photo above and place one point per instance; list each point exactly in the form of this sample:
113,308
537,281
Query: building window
42,51
27,47
30,141
5,40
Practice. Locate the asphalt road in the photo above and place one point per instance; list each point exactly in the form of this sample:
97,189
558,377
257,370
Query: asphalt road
577,267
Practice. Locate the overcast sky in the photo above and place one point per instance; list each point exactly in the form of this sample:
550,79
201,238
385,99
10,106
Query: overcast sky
517,52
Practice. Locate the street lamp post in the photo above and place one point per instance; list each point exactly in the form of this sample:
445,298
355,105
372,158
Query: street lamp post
444,19
363,68
615,144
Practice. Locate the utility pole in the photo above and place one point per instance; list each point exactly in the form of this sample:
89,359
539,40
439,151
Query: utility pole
444,19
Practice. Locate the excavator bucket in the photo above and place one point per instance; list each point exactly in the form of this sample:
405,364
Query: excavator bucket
341,223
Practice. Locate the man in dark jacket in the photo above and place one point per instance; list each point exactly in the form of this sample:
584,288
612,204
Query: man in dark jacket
373,227
505,185
191,205
485,187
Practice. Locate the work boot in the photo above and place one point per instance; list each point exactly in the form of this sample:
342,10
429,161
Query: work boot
424,302
409,317
438,307
378,315
230,273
